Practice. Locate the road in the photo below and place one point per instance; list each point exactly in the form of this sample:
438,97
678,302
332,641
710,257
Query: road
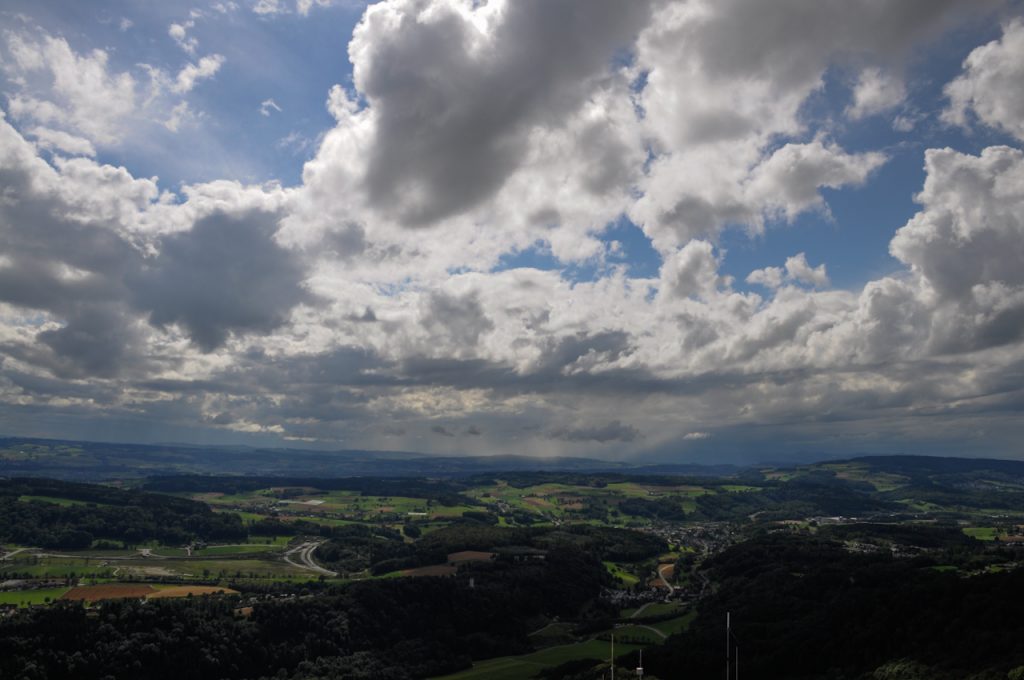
12,553
652,629
37,552
304,553
639,611
661,575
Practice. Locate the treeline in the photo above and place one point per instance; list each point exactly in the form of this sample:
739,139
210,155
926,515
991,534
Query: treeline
665,509
444,492
954,493
106,513
806,608
924,467
520,479
394,629
814,494
954,482
354,548
929,536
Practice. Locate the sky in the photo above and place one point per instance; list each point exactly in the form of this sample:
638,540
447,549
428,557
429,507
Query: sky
659,230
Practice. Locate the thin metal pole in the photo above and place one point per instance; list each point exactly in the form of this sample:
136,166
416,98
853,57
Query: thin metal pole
728,633
613,656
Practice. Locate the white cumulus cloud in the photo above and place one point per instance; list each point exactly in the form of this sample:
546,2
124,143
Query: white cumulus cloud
992,85
875,92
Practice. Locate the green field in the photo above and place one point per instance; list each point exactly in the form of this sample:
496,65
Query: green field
676,625
216,550
54,500
619,572
568,502
23,598
326,507
213,568
858,472
634,634
246,516
982,533
527,665
249,560
642,633
327,521
553,634
270,540
55,567
653,609
101,554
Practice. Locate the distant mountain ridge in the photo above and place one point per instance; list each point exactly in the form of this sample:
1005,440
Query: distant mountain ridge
902,464
91,461
69,459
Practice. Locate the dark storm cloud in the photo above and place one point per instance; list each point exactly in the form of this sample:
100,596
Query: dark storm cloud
614,431
225,275
368,316
460,318
42,386
785,39
305,380
353,366
441,430
62,260
42,240
560,353
1004,327
347,242
504,379
38,284
453,120
95,341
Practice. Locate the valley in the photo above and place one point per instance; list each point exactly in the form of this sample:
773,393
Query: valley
586,555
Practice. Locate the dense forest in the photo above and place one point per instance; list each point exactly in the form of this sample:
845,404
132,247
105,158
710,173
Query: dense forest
383,629
101,512
356,547
808,608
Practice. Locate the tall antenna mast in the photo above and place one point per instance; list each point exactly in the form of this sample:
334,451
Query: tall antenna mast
612,660
735,649
728,634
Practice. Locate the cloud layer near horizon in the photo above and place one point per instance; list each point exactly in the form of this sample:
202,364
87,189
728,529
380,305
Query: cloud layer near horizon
372,305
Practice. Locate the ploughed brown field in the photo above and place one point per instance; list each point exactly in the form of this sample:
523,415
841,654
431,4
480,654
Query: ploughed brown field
184,591
114,591
108,591
432,570
469,556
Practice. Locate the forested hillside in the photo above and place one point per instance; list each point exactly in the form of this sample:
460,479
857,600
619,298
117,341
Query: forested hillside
807,608
70,516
